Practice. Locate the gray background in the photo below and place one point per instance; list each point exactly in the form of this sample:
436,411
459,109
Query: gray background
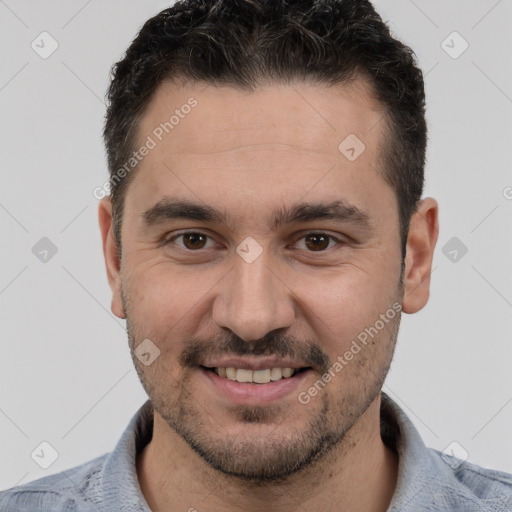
66,375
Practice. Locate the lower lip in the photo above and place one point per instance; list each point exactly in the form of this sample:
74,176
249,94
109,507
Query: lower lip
257,394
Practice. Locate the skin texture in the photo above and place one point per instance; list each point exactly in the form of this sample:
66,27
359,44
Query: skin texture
248,155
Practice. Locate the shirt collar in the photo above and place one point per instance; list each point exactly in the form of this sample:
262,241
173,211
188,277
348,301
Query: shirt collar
120,485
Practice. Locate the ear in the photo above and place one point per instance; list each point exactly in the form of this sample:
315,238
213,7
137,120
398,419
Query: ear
421,242
111,255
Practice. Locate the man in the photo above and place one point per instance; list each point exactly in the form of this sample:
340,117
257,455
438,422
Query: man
264,232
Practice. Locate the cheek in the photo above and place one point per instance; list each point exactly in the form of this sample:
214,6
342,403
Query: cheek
166,301
342,305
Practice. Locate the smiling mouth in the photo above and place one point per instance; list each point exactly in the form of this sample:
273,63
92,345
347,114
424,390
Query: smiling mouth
256,376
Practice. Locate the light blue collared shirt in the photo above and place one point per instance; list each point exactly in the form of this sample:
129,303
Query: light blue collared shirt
428,481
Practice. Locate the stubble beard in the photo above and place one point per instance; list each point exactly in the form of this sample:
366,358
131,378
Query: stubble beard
278,450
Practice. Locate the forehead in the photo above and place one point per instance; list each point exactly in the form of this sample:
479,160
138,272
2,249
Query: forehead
310,116
276,143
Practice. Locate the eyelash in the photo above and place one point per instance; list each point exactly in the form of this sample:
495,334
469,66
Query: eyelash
318,233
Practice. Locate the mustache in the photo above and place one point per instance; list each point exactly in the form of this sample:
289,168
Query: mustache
274,343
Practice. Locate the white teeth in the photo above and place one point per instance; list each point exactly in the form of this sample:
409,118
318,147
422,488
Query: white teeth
244,375
276,374
287,372
257,376
261,376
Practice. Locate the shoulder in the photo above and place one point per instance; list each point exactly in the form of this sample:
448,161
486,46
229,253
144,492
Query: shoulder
73,489
431,480
468,483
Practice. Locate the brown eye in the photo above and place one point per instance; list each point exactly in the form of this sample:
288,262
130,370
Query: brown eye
194,240
191,241
317,242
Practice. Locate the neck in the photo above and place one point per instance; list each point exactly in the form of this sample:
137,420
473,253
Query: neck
360,474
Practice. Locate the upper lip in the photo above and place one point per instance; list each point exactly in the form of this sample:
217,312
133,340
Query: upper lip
258,363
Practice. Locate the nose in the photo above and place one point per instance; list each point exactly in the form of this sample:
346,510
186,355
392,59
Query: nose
253,299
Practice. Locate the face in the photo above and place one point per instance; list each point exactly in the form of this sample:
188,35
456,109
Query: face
250,241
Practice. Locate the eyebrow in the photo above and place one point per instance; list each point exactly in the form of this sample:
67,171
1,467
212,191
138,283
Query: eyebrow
342,211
